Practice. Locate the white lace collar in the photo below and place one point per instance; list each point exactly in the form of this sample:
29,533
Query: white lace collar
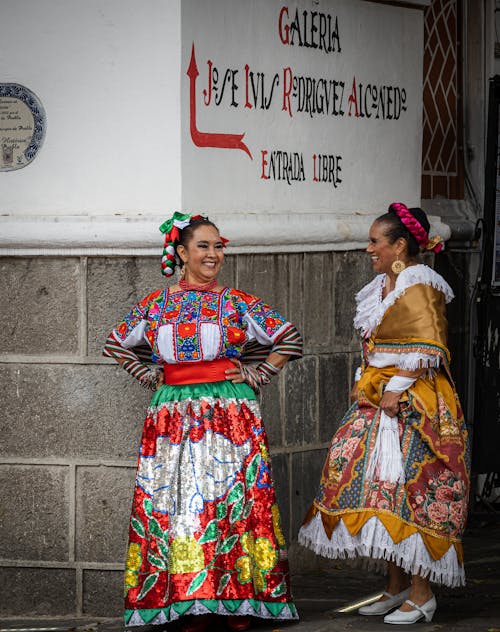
370,307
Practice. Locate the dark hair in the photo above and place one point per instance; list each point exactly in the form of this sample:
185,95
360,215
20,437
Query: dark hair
396,229
187,233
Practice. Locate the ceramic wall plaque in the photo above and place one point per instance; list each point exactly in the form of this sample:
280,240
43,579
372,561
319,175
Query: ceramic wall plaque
22,126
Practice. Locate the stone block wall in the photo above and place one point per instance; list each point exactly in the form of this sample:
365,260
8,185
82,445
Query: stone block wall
71,420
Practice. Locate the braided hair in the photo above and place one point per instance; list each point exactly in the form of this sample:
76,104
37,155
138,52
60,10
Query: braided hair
395,228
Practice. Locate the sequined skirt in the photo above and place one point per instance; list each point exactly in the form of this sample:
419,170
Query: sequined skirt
205,530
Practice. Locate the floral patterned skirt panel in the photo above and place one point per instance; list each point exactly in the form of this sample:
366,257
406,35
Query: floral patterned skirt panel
205,530
418,523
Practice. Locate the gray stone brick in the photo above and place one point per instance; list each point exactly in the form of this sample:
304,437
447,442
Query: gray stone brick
318,301
271,413
103,593
281,478
301,401
37,591
114,286
266,276
227,274
306,471
40,303
296,309
333,388
70,411
353,270
103,503
34,514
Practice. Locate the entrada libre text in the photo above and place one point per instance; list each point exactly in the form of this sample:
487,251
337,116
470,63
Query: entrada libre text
288,166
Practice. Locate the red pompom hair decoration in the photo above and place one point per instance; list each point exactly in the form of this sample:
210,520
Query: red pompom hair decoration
171,228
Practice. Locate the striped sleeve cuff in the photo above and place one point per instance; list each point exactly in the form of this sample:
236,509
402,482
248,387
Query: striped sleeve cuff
289,343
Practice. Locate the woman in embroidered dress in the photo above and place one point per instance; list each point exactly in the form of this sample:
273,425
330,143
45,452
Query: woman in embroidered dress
395,483
205,532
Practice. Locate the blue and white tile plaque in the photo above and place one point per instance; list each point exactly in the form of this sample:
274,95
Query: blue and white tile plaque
22,126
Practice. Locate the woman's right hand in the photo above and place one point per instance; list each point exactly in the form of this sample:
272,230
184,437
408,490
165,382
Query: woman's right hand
160,380
390,403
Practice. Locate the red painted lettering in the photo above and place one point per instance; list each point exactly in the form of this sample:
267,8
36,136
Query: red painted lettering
315,177
353,99
287,89
283,31
247,102
208,94
264,164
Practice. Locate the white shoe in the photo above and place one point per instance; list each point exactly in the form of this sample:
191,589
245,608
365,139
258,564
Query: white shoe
425,611
381,607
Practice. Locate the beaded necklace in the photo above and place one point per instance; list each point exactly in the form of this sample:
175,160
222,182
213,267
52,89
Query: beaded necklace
204,287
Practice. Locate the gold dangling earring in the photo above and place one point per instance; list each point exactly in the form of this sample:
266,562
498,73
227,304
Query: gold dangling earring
398,266
183,271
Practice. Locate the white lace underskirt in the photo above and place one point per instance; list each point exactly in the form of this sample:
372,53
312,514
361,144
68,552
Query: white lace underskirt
373,544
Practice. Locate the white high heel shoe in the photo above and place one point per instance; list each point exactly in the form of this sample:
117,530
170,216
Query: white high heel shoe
381,607
425,611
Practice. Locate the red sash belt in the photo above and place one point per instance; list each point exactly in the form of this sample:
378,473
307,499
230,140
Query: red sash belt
197,372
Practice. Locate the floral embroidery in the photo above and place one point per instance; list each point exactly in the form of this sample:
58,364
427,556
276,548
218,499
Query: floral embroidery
342,452
187,330
441,506
132,565
269,320
381,495
235,335
136,315
187,313
208,312
260,559
186,555
278,531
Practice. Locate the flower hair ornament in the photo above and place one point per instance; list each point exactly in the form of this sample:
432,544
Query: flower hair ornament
172,231
416,229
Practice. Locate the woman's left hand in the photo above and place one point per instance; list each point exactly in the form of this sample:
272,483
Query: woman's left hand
390,403
234,375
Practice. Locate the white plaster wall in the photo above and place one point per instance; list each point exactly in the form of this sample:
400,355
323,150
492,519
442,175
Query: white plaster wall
107,73
380,159
111,75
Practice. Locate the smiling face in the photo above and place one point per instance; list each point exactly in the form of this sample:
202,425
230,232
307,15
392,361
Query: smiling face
202,254
382,252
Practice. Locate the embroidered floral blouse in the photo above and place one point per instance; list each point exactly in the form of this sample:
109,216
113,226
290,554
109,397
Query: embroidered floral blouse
191,326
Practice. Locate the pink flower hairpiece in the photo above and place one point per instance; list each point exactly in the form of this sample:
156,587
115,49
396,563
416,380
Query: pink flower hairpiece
416,229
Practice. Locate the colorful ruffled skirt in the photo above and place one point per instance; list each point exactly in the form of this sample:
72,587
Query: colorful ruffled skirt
417,524
205,530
